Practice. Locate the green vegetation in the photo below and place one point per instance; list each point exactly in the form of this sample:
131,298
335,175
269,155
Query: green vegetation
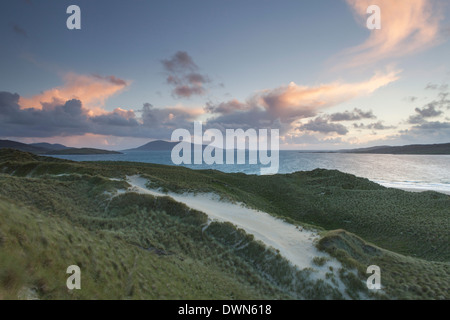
80,151
36,249
129,246
414,224
320,261
402,277
54,213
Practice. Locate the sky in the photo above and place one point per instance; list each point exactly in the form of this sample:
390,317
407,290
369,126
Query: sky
137,70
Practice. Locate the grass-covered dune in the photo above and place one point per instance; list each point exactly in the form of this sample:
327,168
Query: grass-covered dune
55,213
80,151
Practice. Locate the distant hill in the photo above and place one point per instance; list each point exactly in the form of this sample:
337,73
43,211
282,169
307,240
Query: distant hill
158,145
49,146
22,146
51,149
81,151
443,148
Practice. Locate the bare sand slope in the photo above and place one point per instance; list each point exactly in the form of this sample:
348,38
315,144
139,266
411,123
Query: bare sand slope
295,244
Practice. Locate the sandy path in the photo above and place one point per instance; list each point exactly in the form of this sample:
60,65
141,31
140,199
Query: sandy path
296,245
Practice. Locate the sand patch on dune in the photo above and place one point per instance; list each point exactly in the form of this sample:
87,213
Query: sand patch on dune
294,243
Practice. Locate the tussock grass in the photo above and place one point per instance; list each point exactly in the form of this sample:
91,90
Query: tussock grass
402,277
56,212
37,249
110,239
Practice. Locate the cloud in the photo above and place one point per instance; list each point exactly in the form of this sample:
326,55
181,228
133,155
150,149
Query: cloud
92,90
373,126
407,26
118,117
19,30
311,139
253,117
71,118
68,110
180,62
411,98
322,125
9,103
183,76
424,130
164,121
65,119
186,91
435,125
356,114
294,101
281,107
428,132
442,100
428,111
226,107
433,86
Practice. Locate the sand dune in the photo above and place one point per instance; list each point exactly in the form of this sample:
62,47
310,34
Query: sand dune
293,243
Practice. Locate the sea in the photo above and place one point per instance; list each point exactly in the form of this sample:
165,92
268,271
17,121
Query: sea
408,172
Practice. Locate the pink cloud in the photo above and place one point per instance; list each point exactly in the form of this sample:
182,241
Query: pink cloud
92,90
294,101
285,106
407,26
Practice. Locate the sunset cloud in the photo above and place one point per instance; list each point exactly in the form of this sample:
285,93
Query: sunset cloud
92,90
71,118
281,107
75,108
294,100
407,26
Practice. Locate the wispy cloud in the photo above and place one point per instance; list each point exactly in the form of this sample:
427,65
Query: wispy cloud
282,106
407,26
435,86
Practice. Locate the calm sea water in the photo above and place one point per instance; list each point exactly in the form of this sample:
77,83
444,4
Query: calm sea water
419,172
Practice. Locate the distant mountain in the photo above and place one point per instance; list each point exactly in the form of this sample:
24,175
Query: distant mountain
81,151
22,146
49,146
443,148
51,149
158,145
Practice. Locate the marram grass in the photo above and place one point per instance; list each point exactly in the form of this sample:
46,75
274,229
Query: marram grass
54,213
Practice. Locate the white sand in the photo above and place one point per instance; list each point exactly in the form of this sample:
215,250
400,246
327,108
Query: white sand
295,244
